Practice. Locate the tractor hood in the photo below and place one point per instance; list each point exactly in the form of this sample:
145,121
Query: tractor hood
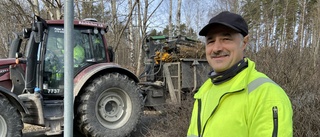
7,61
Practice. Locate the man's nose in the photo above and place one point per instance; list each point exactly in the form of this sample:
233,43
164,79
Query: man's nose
217,46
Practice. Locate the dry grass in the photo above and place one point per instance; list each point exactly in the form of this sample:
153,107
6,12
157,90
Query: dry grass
174,120
296,73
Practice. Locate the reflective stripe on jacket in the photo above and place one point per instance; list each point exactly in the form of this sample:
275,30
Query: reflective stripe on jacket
248,105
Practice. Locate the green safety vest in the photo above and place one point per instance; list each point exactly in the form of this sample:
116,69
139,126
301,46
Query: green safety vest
79,54
248,105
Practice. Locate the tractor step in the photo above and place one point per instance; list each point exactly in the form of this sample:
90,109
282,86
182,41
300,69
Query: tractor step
53,116
33,102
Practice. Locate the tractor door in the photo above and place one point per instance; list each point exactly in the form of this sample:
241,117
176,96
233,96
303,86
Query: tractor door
88,49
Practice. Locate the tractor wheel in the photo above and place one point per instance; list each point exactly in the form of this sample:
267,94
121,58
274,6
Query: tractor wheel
10,120
111,105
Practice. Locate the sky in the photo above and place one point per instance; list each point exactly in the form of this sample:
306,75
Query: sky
194,13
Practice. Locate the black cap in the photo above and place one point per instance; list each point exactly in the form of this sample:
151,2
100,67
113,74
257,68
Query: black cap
231,20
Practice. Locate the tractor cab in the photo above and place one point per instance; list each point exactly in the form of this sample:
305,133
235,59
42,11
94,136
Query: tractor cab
88,48
47,72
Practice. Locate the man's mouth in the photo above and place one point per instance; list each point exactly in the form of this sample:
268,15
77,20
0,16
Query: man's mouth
219,56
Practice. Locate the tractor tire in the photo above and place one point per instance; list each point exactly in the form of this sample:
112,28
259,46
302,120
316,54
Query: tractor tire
10,120
110,106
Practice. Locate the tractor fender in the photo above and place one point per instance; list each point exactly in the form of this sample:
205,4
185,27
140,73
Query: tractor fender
98,69
13,99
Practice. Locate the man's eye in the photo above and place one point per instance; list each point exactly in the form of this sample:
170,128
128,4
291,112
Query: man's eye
226,38
211,41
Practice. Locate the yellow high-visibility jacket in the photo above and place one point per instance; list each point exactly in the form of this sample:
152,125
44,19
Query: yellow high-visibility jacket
248,105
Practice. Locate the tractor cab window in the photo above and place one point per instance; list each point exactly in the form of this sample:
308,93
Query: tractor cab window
54,55
53,60
98,48
88,49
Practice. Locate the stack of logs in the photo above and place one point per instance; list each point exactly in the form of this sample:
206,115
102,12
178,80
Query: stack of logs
191,51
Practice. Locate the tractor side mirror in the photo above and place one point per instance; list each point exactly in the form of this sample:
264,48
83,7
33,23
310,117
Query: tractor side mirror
38,27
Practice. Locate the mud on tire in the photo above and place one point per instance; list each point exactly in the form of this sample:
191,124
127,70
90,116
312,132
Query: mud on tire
10,120
111,105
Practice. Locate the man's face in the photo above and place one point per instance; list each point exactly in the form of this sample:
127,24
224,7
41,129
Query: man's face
224,47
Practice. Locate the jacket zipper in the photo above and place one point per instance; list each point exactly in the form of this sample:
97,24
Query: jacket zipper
215,110
199,118
275,121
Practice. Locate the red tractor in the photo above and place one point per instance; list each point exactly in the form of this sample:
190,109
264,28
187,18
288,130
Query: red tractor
107,99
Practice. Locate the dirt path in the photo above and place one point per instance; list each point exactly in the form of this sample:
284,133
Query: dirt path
141,130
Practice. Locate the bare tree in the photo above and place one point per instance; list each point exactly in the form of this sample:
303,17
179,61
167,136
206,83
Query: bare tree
170,20
78,13
143,29
139,23
178,18
301,25
315,34
126,24
35,6
131,35
87,9
102,10
54,8
14,16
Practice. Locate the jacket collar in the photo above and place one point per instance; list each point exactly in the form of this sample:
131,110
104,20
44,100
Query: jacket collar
234,84
218,78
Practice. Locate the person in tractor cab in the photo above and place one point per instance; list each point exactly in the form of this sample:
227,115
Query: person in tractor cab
58,51
55,57
78,55
54,54
237,100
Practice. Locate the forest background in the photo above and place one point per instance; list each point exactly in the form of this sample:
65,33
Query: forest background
284,42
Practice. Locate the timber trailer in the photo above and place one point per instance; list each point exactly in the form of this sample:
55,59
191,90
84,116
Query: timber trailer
174,66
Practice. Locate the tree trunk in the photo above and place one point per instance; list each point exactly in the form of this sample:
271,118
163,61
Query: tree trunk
178,18
120,32
78,9
102,12
170,20
316,30
131,37
35,7
301,26
114,27
58,9
53,8
144,26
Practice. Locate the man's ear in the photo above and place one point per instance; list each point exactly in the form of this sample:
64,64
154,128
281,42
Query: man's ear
245,41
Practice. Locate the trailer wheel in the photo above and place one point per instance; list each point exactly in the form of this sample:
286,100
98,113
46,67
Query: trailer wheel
10,120
111,105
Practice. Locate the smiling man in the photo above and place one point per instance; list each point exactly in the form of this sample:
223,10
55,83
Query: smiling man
237,100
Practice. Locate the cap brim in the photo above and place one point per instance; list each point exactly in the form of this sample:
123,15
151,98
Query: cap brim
204,31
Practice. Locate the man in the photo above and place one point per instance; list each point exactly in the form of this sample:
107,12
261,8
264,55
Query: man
237,100
78,55
55,56
78,52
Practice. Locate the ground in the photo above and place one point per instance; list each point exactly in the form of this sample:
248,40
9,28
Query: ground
142,128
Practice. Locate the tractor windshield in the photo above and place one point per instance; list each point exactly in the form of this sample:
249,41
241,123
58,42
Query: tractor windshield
88,48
